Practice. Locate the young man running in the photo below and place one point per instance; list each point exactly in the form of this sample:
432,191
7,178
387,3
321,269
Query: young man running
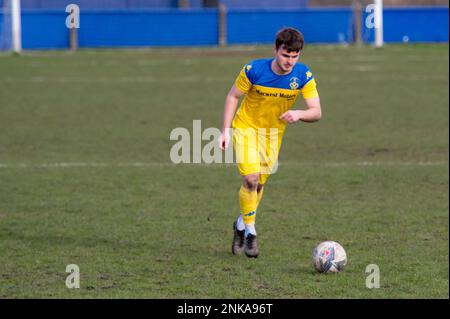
271,87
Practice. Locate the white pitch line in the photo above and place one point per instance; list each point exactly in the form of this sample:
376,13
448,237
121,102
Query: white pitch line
159,164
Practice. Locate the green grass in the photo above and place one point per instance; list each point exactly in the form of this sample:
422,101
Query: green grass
372,174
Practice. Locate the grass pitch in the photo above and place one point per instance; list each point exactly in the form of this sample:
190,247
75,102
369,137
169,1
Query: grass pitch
86,178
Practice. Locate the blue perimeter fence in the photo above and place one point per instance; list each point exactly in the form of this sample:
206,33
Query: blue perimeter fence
46,28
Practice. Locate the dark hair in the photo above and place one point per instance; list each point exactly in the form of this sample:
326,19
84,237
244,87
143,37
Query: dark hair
290,39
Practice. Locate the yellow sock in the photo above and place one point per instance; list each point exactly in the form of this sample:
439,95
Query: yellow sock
259,194
248,201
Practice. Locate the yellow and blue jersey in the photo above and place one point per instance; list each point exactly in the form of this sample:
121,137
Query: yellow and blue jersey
269,95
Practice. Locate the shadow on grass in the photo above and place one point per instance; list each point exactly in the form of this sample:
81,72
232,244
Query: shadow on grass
300,269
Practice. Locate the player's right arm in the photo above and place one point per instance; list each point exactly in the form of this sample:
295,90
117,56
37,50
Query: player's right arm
242,85
231,103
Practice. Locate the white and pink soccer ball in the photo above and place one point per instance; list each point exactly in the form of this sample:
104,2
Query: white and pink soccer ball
329,257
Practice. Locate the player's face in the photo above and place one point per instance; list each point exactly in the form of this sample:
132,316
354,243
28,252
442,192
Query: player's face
286,60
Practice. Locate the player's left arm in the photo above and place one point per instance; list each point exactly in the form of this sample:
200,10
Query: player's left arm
312,113
313,110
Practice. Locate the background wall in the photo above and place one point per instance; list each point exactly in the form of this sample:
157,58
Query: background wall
136,26
237,4
127,4
387,3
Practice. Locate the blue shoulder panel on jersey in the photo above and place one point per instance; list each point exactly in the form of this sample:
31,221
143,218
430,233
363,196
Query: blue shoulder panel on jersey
254,68
259,72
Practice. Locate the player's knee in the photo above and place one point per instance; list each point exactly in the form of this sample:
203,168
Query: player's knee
251,181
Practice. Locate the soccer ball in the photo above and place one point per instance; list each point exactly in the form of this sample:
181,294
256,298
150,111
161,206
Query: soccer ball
329,256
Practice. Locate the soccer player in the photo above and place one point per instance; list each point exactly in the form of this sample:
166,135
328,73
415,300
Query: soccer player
271,87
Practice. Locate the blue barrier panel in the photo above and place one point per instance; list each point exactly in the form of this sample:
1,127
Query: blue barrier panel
42,29
96,4
1,21
5,41
146,4
265,4
169,27
418,24
317,25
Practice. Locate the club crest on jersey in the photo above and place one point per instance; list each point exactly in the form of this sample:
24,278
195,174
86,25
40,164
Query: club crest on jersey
294,84
308,75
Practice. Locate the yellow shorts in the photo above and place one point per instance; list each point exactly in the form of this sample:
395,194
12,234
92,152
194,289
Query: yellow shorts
256,151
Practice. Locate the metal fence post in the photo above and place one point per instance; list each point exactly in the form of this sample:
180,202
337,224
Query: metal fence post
222,25
357,22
